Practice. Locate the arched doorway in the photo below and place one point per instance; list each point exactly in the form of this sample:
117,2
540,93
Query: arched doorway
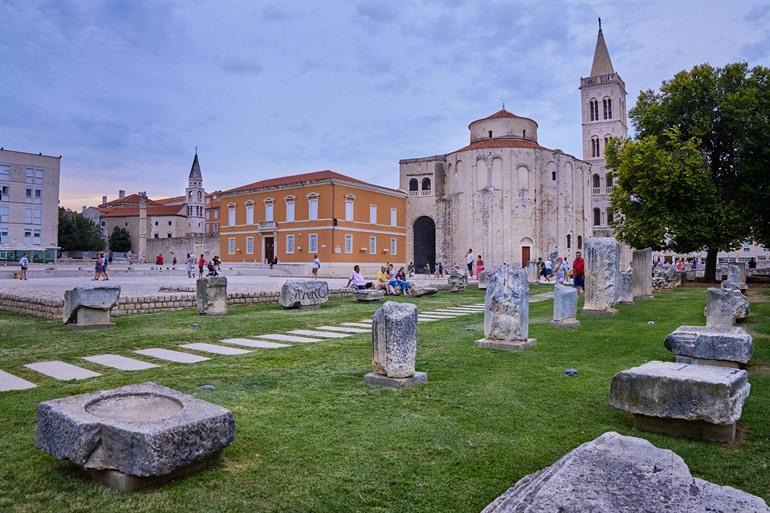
424,243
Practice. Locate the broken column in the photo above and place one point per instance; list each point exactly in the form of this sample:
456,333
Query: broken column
625,290
734,280
506,311
90,307
641,281
457,281
703,345
725,306
602,275
564,307
394,347
532,274
211,295
484,277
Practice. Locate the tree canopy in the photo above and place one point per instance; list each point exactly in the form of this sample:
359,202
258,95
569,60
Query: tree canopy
696,174
78,233
120,240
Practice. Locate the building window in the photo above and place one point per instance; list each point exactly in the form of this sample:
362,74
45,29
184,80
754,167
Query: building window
580,242
596,181
4,192
290,244
426,184
268,210
312,204
393,217
372,245
231,245
610,184
168,235
4,214
3,235
249,213
27,237
250,245
290,209
609,108
200,197
609,217
169,223
28,195
597,217
5,172
414,185
594,146
490,134
216,214
348,243
373,214
38,196
231,215
349,204
553,175
155,236
216,228
312,243
393,247
34,175
524,134
569,241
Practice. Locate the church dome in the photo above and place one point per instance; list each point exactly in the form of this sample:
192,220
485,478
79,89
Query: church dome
503,125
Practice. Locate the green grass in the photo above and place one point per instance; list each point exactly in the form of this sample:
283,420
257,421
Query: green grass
311,437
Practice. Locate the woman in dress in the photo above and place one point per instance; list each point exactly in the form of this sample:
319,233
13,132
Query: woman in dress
479,265
316,266
97,267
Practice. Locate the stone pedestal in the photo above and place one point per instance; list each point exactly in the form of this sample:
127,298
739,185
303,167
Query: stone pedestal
641,273
625,294
394,346
484,277
702,345
506,311
532,276
368,295
724,307
564,307
303,293
695,429
134,436
736,278
602,256
457,282
379,380
86,308
423,291
211,295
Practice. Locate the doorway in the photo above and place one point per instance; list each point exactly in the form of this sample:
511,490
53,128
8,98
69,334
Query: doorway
424,244
524,256
269,249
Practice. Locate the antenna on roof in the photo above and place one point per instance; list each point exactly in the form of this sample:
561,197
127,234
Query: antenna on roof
600,23
196,146
503,105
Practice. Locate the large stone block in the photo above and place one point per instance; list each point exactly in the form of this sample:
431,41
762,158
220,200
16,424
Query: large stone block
532,275
711,343
621,474
90,307
679,391
734,280
423,291
506,310
641,280
625,291
303,293
602,274
484,277
394,340
457,281
211,295
724,306
368,295
565,306
145,431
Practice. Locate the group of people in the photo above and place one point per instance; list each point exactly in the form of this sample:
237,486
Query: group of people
100,266
212,266
471,262
561,271
388,279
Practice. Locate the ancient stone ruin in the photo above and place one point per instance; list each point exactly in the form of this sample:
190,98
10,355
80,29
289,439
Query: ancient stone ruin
625,290
602,277
484,277
394,347
724,307
211,295
368,295
621,474
564,307
303,293
695,401
422,291
733,280
457,281
702,345
641,274
506,311
90,307
532,275
134,436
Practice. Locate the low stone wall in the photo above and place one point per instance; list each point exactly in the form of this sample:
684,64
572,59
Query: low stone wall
53,309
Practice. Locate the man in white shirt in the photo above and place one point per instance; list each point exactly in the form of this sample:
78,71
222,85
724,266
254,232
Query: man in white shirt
548,269
23,263
357,281
469,262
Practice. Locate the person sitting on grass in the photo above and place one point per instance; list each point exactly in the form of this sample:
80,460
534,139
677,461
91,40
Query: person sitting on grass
356,281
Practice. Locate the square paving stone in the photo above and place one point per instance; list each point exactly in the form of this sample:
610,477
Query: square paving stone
319,334
171,356
214,349
247,342
288,338
344,329
10,382
119,362
357,324
62,371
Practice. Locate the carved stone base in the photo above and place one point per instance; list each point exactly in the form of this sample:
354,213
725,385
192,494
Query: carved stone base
419,378
505,345
566,323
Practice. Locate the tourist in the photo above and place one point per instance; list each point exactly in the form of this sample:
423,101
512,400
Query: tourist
97,267
752,263
316,266
189,264
565,267
109,257
558,270
479,265
427,269
159,259
578,272
383,281
399,280
410,269
201,265
548,269
357,281
105,261
540,268
469,262
212,268
217,263
173,262
24,264
440,270
680,264
130,257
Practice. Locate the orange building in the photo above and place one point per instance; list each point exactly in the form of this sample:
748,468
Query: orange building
343,220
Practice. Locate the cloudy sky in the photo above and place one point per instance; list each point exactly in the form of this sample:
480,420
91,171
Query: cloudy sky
125,90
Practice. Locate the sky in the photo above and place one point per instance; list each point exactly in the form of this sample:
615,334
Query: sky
126,90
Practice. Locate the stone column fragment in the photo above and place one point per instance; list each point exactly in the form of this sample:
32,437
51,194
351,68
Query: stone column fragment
394,347
211,295
724,306
641,274
602,275
625,291
506,311
564,306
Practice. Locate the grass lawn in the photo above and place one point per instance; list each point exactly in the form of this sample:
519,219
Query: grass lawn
311,437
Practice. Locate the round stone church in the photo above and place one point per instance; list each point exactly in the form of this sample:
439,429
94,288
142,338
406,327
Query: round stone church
503,195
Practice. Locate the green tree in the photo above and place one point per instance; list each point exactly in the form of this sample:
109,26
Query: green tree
78,233
120,240
696,175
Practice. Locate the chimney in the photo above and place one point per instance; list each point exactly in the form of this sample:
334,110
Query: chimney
121,194
104,199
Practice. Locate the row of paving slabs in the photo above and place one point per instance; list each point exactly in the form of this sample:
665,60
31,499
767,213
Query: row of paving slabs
227,347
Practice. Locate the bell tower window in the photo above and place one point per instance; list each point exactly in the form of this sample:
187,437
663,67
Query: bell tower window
490,134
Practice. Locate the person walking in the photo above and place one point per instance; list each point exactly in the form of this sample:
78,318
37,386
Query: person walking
97,267
189,263
201,265
105,263
559,270
469,262
130,257
24,264
578,272
548,269
479,266
316,265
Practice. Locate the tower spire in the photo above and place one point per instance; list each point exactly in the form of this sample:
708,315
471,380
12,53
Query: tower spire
602,65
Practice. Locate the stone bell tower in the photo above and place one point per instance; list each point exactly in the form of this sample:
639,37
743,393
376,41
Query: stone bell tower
195,198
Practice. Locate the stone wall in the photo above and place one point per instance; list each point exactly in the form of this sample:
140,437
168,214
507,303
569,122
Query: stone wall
180,246
45,308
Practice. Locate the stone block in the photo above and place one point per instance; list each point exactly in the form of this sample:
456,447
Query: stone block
484,277
394,340
641,272
423,291
505,345
368,295
90,307
419,378
602,276
680,391
724,306
711,343
211,295
457,281
506,310
625,290
621,474
565,306
141,430
303,293
532,275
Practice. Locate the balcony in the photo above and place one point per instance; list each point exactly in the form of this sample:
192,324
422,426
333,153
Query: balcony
426,193
414,193
597,190
609,189
267,226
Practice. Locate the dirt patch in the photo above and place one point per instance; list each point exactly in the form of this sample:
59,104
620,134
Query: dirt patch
759,369
740,436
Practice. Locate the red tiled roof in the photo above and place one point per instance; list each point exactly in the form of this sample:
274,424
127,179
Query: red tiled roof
314,176
131,198
152,210
500,143
171,201
502,113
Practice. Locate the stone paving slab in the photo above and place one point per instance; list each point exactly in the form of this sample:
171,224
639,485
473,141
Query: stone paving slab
356,324
319,334
61,370
344,329
426,319
247,342
288,338
119,362
171,356
214,349
10,382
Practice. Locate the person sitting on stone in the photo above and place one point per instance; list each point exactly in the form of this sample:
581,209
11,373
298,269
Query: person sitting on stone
357,281
399,280
383,281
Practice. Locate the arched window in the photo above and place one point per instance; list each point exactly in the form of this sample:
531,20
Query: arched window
580,242
490,134
609,180
609,108
414,184
597,217
524,134
189,195
553,175
312,206
569,241
610,217
593,106
289,200
594,146
596,181
426,184
200,197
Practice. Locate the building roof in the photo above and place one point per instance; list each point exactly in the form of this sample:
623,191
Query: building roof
315,176
602,65
195,170
501,114
176,200
152,210
500,143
